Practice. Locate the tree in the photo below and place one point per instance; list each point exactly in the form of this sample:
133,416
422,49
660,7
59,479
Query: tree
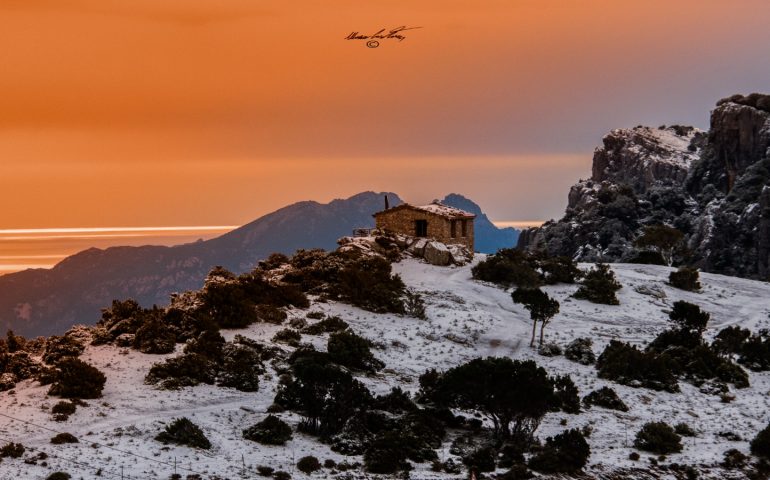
660,238
686,278
513,394
658,437
542,308
599,286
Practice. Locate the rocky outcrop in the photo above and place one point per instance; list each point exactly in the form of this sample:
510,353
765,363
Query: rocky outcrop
395,247
712,186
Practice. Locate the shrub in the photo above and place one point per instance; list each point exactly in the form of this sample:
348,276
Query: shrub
508,267
62,410
226,301
385,455
684,430
755,352
414,304
12,450
185,370
240,368
686,278
288,336
658,437
730,340
566,395
271,314
327,325
154,337
481,460
62,438
184,432
599,286
688,316
760,445
558,270
579,350
367,283
281,475
605,397
567,452
395,401
265,471
57,348
634,456
75,378
662,238
734,459
628,365
648,257
352,351
270,431
308,464
59,476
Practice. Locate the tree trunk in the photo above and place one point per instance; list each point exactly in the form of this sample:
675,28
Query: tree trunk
534,329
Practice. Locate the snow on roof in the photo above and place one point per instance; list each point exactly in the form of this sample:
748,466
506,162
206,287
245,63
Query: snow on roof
436,208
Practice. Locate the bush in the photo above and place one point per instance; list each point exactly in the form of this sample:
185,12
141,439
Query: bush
414,305
385,455
62,410
760,445
154,337
658,437
688,316
57,348
648,257
579,350
686,278
240,368
605,397
730,340
75,378
62,438
308,464
184,432
186,370
367,283
12,450
350,350
734,459
270,431
287,336
684,430
755,352
265,471
599,286
59,476
628,365
327,325
566,395
227,302
281,475
508,267
567,452
481,460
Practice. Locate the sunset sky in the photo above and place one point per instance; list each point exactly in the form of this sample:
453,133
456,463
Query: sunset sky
214,112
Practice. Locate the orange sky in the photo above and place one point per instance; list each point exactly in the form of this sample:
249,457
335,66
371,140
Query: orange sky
213,112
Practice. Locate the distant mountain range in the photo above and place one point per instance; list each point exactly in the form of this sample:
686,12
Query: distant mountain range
49,301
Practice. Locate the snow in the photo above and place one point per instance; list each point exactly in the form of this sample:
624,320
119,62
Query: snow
466,319
445,210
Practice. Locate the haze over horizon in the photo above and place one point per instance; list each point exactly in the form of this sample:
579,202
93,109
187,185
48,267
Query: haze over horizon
203,112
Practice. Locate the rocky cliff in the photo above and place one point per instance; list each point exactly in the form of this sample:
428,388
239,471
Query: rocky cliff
713,186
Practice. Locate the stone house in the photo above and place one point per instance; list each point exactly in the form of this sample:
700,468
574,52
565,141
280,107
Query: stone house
446,224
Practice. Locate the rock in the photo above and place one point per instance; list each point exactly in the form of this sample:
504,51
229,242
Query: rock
125,340
436,253
418,247
651,290
711,186
7,382
579,350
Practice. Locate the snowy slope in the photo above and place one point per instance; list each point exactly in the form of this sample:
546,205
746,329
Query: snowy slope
467,319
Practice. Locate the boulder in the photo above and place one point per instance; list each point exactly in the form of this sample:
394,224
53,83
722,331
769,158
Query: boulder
436,253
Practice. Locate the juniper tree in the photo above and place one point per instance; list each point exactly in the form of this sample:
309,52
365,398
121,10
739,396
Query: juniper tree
542,308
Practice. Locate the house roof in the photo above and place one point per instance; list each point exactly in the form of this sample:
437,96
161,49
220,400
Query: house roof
436,208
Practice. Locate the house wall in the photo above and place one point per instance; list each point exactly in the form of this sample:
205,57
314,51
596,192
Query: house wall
440,228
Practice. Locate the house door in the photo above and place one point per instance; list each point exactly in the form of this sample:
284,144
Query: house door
420,228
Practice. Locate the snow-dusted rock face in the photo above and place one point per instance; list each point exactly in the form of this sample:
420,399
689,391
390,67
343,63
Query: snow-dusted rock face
708,185
641,157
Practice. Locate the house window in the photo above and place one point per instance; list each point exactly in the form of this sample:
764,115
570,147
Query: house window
420,228
454,228
465,228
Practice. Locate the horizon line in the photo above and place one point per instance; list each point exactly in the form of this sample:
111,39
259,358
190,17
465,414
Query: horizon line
79,230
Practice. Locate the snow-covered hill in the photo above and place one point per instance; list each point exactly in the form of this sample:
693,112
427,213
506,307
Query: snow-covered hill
466,319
